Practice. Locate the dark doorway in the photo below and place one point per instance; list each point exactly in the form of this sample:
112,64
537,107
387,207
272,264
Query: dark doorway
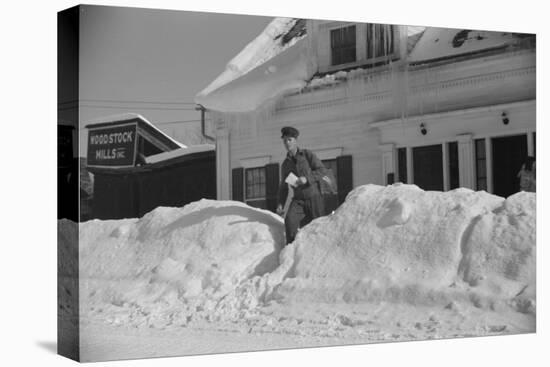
509,154
428,167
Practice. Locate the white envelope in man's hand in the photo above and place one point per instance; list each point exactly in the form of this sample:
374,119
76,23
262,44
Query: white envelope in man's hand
292,179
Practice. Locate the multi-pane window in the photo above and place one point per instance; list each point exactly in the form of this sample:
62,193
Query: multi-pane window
342,44
402,164
255,187
255,183
481,165
379,40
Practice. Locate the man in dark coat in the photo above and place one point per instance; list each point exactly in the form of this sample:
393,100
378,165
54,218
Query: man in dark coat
307,202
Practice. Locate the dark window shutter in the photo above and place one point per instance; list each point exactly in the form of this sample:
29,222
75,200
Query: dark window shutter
402,165
272,185
345,176
238,189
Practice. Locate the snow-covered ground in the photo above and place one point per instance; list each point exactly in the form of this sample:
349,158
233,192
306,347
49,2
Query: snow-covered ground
391,264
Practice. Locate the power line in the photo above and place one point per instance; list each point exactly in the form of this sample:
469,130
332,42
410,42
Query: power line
167,122
177,122
133,102
162,123
125,102
140,108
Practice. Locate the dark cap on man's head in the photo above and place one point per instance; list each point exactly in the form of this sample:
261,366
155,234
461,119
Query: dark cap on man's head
290,132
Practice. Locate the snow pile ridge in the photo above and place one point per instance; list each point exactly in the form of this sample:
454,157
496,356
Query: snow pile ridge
224,259
404,244
176,259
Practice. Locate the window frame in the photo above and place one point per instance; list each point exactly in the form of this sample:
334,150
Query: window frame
368,40
478,166
325,52
346,45
255,199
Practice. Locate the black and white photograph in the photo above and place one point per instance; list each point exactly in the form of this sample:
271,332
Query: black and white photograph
282,181
336,182
340,183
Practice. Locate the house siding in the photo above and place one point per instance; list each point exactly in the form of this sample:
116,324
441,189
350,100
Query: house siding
370,116
350,134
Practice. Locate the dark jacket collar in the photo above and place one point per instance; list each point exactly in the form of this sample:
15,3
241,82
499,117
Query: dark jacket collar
298,151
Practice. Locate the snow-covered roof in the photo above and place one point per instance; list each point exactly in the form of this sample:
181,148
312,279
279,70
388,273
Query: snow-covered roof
132,116
269,43
273,63
164,156
413,35
438,43
276,62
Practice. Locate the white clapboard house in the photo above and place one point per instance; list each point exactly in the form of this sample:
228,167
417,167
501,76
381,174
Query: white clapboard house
436,107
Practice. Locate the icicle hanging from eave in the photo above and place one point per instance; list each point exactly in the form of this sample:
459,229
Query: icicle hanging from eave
437,77
264,114
403,74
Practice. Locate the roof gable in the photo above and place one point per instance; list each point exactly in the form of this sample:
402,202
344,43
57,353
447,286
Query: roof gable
142,122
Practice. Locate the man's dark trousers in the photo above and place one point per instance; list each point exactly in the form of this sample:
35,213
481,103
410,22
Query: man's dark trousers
300,213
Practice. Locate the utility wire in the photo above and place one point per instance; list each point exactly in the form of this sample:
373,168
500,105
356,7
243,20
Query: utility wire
177,122
168,122
126,101
140,108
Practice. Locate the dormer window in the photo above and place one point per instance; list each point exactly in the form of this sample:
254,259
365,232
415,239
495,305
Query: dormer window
380,40
343,46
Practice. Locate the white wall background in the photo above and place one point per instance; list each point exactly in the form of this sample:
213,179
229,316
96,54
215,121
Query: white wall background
28,240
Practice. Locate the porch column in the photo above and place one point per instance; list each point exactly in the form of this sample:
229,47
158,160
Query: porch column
445,156
223,167
466,159
388,162
530,144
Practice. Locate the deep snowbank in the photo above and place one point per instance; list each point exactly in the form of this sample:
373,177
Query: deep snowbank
174,262
400,243
221,259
